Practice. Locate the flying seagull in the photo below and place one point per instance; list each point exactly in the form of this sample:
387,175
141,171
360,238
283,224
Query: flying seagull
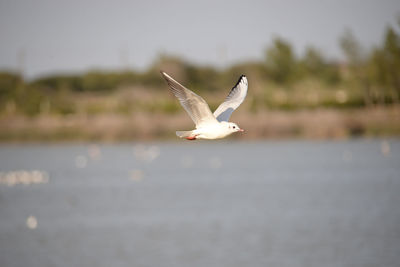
208,125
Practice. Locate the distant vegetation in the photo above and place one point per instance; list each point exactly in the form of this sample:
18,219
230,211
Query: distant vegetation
366,78
279,81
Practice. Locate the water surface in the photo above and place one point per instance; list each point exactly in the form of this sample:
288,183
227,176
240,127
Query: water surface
280,204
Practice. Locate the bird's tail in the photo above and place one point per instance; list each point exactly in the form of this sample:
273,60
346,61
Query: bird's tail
183,134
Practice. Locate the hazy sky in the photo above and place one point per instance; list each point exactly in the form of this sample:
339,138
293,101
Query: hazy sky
49,36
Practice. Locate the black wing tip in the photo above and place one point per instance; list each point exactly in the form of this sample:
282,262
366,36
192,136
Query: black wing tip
242,77
240,80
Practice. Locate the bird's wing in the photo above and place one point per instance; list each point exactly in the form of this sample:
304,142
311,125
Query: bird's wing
233,100
194,104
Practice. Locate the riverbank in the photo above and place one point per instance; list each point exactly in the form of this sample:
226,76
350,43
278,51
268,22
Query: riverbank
322,123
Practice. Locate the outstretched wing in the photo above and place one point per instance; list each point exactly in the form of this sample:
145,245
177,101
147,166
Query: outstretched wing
233,100
194,104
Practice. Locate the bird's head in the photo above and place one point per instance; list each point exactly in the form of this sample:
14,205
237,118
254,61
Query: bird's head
233,127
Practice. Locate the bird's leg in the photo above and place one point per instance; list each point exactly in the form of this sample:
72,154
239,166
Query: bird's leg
193,137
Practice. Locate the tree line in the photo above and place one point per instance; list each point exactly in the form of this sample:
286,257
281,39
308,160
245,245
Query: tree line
373,73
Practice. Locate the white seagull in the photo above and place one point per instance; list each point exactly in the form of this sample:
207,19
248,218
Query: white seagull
208,125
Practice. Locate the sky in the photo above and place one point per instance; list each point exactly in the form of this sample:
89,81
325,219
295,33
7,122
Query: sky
44,37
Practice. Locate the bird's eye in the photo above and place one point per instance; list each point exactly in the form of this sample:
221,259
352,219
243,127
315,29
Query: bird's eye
234,127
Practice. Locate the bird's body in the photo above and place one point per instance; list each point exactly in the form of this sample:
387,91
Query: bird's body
208,125
208,131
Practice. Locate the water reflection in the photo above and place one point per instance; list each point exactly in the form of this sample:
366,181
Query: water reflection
31,222
146,154
385,148
137,175
24,177
94,152
81,161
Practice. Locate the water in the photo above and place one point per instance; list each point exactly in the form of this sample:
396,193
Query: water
202,204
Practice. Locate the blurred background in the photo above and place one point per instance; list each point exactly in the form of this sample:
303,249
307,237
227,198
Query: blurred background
85,71
92,174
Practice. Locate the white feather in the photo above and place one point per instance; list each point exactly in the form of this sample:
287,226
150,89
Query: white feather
233,100
207,125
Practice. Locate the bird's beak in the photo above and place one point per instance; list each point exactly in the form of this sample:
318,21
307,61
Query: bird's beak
241,130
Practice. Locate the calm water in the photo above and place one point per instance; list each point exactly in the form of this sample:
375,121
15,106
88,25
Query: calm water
201,204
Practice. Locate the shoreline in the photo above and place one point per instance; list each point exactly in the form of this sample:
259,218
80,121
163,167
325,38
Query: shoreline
304,124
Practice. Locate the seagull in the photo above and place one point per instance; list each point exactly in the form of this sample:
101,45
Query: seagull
208,125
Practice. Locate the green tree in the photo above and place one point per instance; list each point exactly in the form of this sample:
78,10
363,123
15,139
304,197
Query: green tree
281,62
384,67
59,82
8,84
314,64
313,61
356,61
391,55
